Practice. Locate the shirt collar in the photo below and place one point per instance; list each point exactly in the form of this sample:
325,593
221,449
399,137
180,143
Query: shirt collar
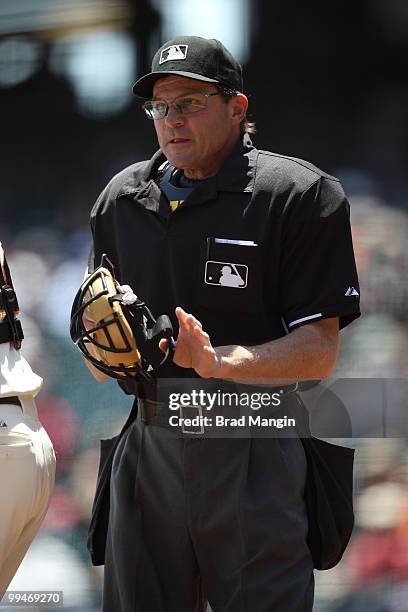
237,174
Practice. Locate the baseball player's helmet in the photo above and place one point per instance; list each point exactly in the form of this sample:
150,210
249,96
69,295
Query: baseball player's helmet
123,340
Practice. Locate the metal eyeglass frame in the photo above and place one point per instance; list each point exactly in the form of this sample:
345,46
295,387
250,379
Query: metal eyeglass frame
178,108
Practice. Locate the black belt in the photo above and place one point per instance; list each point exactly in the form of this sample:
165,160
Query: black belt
13,399
159,414
150,391
155,413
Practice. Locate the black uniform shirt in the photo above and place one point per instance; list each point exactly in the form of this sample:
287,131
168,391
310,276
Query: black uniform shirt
254,252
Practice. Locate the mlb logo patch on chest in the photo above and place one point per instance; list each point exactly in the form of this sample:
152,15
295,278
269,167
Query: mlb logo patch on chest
174,52
226,274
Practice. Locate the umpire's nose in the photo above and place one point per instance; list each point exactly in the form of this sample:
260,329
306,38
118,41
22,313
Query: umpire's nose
174,117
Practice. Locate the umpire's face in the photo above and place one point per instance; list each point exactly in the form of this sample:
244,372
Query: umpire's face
198,142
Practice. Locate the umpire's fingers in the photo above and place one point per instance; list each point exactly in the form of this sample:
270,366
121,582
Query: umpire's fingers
187,320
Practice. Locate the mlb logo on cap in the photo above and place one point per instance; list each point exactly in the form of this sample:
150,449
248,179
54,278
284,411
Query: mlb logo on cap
174,52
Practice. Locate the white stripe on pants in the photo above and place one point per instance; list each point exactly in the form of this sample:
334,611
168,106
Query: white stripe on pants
27,473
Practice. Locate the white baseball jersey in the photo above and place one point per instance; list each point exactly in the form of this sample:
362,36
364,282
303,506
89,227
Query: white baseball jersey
16,375
27,459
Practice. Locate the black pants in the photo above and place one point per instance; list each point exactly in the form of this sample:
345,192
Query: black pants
225,515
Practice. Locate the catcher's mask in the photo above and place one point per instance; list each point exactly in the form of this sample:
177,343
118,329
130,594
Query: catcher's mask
124,339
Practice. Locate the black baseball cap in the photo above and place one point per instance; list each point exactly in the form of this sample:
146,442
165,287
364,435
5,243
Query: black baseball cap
193,57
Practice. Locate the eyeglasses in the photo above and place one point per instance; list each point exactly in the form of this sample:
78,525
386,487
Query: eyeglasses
186,105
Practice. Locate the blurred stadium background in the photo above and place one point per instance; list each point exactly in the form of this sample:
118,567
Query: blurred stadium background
327,82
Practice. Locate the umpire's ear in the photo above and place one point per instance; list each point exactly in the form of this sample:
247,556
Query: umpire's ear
238,105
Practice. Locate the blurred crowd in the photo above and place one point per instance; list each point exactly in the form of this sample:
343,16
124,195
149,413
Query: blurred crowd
48,266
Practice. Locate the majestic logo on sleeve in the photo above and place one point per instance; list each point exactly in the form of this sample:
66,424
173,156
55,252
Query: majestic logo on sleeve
351,292
174,52
226,274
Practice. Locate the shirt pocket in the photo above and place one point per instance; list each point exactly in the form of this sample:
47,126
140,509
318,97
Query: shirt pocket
229,275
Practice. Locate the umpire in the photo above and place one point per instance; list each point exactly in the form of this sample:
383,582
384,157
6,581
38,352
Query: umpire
257,246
